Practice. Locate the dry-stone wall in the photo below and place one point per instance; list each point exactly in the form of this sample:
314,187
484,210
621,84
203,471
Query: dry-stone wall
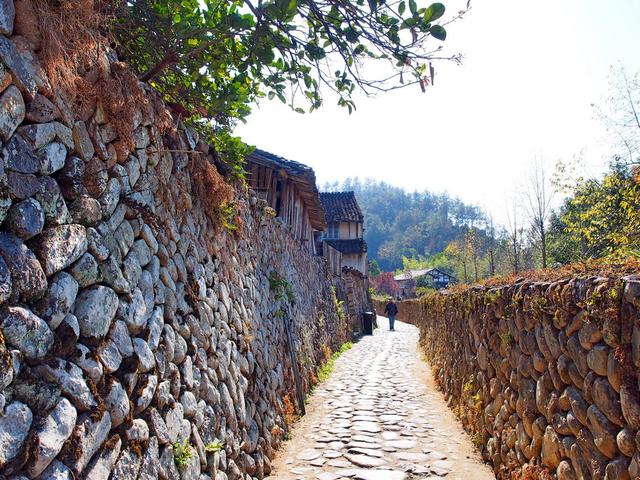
543,374
129,321
358,300
408,310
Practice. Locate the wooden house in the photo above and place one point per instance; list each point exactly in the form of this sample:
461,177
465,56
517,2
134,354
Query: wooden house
408,281
345,229
290,189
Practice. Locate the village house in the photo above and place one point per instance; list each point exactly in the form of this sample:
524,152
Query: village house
345,230
433,277
329,224
344,248
289,188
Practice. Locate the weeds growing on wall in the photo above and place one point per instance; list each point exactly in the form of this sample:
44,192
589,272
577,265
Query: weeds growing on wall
229,152
143,212
182,454
229,217
281,287
528,472
506,339
70,45
338,304
214,446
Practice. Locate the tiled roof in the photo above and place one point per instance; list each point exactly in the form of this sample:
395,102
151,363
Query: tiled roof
341,207
289,165
411,274
304,178
354,245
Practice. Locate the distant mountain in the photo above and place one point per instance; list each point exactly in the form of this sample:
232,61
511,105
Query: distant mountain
398,223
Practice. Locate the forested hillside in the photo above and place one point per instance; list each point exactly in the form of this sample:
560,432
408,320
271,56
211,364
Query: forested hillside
412,225
597,218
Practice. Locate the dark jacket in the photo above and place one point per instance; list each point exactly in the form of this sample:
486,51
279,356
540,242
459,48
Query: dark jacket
391,309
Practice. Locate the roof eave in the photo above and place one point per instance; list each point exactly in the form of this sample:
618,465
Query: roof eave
303,177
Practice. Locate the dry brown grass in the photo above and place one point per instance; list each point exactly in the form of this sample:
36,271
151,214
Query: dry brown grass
592,267
74,53
210,187
326,351
289,409
122,96
72,45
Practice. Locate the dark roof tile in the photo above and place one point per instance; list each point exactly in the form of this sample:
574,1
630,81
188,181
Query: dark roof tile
341,207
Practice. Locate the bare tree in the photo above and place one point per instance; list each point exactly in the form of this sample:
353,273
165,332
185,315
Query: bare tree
463,258
472,244
491,231
457,251
514,233
539,195
621,113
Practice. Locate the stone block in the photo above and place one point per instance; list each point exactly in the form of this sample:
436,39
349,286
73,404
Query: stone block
14,428
26,219
95,309
58,247
22,70
12,111
27,332
7,16
50,436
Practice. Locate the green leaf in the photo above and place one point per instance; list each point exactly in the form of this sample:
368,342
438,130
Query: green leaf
413,7
408,23
438,31
434,12
315,52
402,7
351,34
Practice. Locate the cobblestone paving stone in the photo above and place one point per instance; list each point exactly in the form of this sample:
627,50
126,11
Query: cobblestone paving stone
379,417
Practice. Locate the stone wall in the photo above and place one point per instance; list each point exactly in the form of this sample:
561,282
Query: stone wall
131,322
543,374
357,299
408,311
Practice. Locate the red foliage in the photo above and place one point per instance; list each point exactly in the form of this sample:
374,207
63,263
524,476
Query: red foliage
385,284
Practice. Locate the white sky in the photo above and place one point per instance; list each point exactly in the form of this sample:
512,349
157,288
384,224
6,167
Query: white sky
532,70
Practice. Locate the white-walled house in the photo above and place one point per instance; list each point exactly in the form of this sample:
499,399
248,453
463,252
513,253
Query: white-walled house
345,229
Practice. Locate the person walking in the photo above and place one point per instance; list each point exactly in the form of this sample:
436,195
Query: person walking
391,310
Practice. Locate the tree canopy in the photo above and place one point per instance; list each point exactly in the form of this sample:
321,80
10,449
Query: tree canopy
213,58
600,217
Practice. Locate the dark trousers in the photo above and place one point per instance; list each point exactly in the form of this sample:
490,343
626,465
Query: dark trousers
392,320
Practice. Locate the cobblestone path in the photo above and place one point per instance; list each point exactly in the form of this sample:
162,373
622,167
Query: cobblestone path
379,417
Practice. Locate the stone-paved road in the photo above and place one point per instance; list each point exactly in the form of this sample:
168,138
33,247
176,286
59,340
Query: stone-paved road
379,417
